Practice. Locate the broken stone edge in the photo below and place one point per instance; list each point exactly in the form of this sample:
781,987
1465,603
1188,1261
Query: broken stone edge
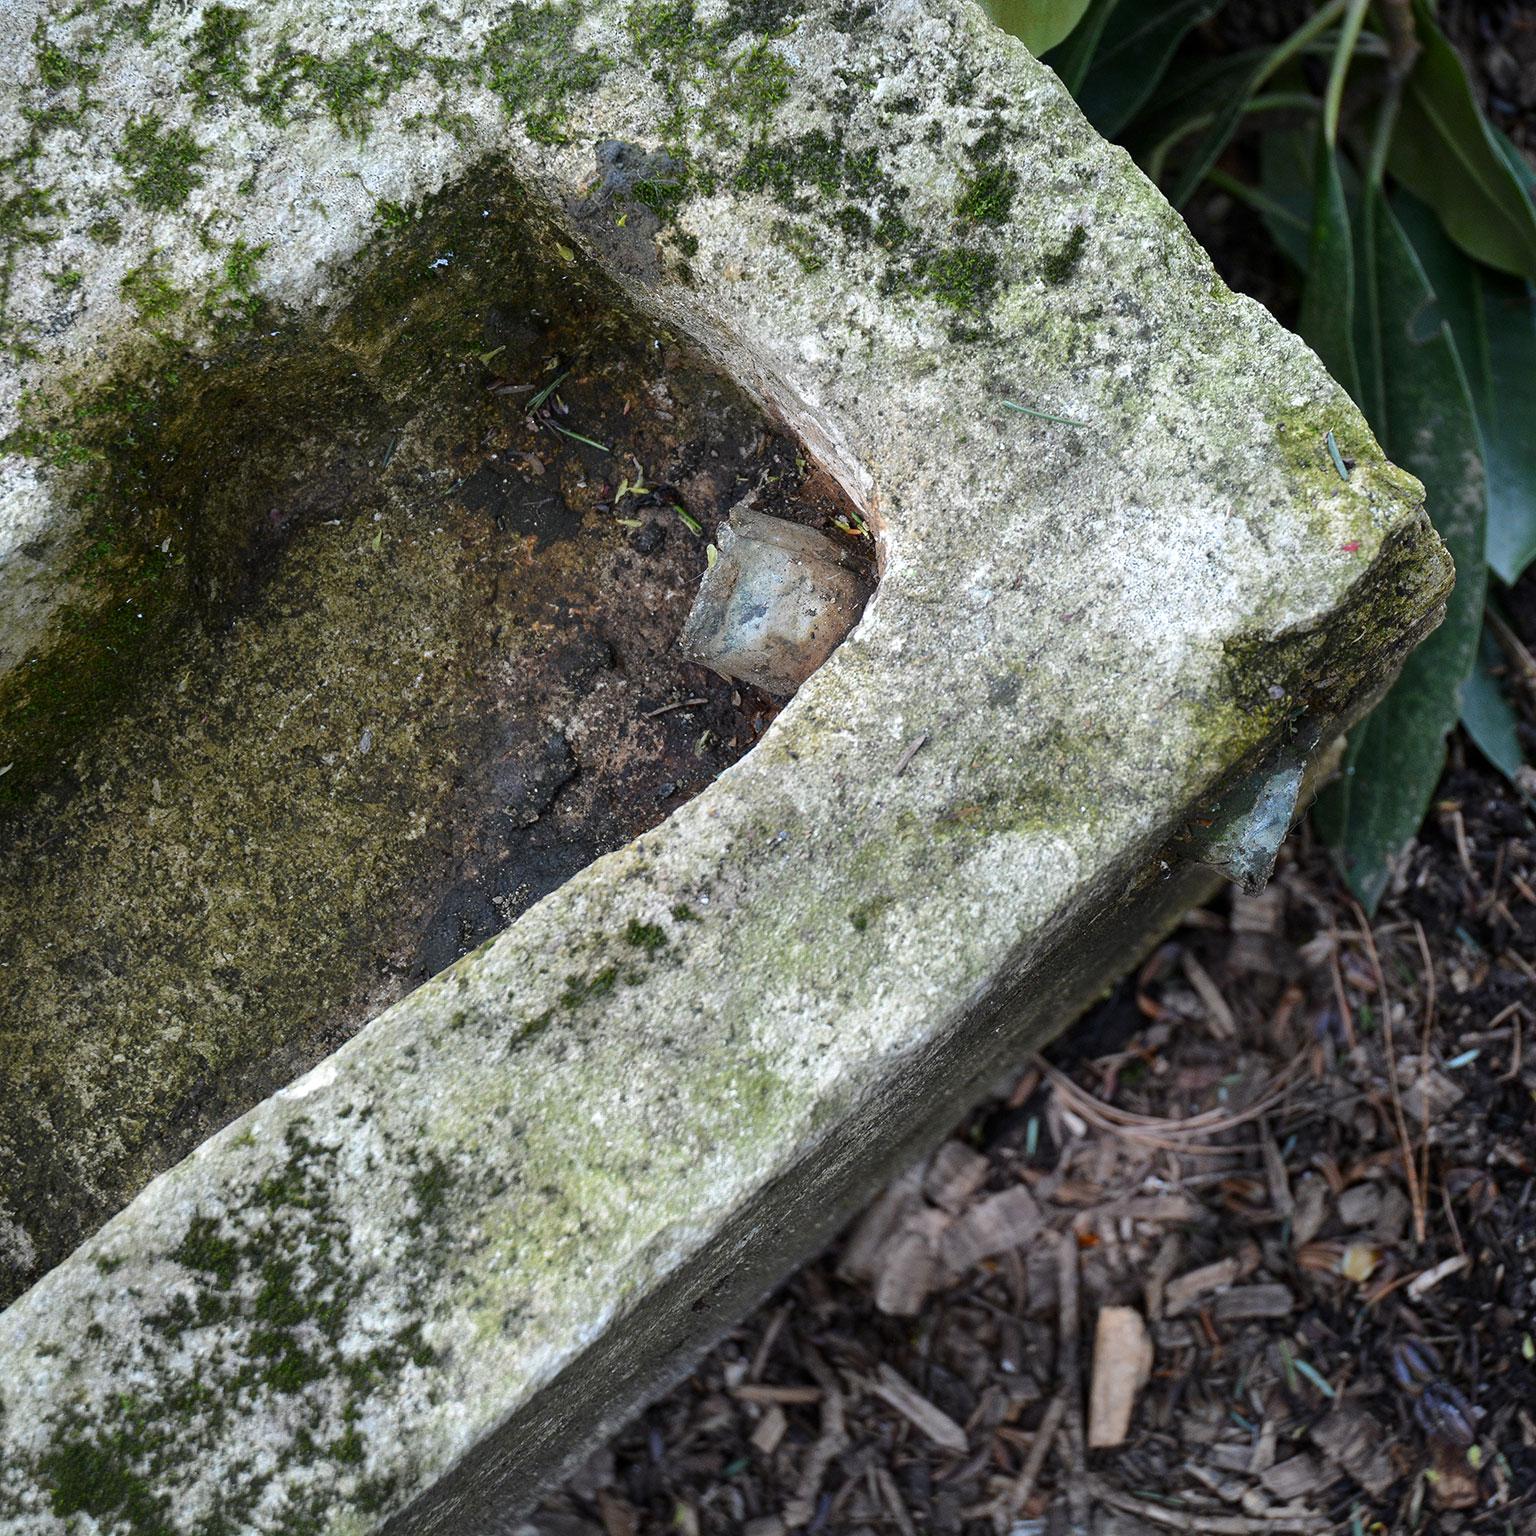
409,1287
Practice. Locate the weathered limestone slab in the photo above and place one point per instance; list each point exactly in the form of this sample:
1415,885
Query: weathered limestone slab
419,1278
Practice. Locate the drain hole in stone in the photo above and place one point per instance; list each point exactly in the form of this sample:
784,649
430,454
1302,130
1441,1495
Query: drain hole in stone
431,671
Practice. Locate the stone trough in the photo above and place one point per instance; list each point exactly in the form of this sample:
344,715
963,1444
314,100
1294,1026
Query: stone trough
254,264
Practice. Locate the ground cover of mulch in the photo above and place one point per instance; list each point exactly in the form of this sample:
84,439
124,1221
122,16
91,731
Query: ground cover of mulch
1278,1192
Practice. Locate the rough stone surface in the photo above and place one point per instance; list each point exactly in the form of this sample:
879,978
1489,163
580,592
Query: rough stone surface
416,1279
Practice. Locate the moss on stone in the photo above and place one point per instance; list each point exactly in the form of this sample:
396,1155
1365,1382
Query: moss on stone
582,989
94,1475
1061,263
713,87
801,242
987,197
58,69
665,31
141,445
151,291
531,62
205,1249
24,216
218,63
283,1280
757,82
349,87
650,937
161,163
818,161
960,278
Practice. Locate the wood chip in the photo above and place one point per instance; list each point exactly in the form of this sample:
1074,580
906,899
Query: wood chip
884,1217
1206,1523
1263,1457
1262,913
1293,1478
890,1494
770,1430
756,1392
955,1174
1231,1456
1068,1323
901,1395
1162,1209
1360,1204
1311,1210
1428,1094
993,1225
1250,1301
1453,1484
1420,1284
1182,1294
1122,1361
830,1443
1280,1197
1163,1264
619,1518
1017,1496
909,1271
1223,1024
1351,1439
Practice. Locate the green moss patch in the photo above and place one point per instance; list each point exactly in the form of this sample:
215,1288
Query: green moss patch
650,937
219,51
1061,263
280,1281
161,163
987,197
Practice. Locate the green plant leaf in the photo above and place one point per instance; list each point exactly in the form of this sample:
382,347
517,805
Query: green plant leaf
1190,95
1265,63
1493,319
1039,24
1223,124
1287,162
1445,153
1075,57
1425,421
1487,713
1327,319
1134,44
1521,168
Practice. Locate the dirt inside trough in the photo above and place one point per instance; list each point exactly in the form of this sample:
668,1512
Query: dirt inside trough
450,682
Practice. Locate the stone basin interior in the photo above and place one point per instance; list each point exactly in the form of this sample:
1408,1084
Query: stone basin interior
387,651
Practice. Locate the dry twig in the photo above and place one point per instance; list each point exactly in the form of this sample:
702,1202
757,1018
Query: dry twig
1067,1367
1017,1495
1410,1171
